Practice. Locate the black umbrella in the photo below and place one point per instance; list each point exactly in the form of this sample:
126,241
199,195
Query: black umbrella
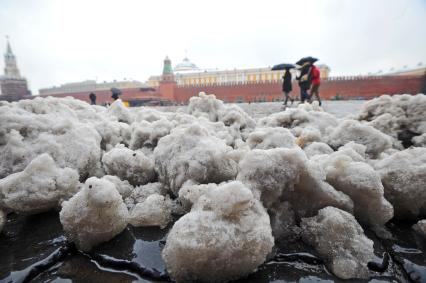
283,67
116,91
309,59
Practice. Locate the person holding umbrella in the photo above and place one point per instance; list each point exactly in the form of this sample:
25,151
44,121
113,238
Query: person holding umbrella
305,77
304,81
115,93
92,98
316,81
287,88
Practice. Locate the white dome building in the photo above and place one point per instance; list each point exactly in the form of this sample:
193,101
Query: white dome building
187,73
186,66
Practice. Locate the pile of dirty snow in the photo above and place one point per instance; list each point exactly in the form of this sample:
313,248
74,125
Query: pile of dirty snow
229,186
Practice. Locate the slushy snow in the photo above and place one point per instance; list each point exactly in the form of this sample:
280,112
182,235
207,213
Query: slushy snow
362,184
129,165
351,130
277,175
154,211
419,228
192,154
340,240
226,235
2,220
123,187
141,193
94,215
266,138
40,187
400,116
403,176
238,184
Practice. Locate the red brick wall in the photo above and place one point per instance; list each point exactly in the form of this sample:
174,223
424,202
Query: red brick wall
166,90
103,96
370,87
232,93
345,87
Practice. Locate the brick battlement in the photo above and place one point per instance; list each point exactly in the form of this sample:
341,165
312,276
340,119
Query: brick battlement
217,84
344,87
353,78
335,78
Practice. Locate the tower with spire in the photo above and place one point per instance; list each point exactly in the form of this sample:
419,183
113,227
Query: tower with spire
167,83
13,86
11,69
167,70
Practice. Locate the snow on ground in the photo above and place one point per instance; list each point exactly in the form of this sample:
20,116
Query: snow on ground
41,186
95,214
2,219
226,235
340,240
240,177
420,228
154,211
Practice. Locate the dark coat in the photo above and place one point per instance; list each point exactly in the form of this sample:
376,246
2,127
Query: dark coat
305,84
287,82
92,97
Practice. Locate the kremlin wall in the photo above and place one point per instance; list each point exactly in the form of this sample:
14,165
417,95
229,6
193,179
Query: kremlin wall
332,88
166,89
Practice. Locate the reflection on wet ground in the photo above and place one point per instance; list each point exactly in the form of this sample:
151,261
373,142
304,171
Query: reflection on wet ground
26,241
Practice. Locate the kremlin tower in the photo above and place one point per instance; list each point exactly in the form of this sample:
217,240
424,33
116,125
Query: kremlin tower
167,83
13,86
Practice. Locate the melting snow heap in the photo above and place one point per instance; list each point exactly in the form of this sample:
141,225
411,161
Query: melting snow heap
95,214
226,235
347,251
239,185
39,187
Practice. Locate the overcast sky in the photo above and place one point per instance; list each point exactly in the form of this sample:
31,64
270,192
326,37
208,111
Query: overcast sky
65,41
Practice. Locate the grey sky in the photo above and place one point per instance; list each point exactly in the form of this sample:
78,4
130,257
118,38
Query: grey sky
65,41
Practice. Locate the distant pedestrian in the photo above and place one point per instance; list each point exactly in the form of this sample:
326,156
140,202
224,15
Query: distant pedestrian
287,88
316,81
305,81
92,97
115,93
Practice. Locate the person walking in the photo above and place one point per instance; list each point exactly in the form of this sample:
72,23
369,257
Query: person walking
114,96
316,81
115,93
305,81
287,88
92,97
